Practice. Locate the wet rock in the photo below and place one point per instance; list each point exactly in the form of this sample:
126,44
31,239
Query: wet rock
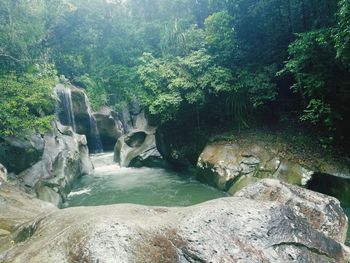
138,147
80,111
74,109
110,127
65,158
18,154
266,222
227,165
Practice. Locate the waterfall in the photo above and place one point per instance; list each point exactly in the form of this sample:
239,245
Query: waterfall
64,110
65,114
95,139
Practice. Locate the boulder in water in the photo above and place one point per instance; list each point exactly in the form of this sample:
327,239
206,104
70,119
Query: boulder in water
267,222
137,149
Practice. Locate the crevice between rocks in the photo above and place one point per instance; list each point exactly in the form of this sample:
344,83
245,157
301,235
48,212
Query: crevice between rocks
300,245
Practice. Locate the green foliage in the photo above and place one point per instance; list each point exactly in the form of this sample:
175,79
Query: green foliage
342,36
26,102
173,39
320,80
210,60
220,37
318,112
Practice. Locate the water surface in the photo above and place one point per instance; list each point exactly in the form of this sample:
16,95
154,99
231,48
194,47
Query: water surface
111,184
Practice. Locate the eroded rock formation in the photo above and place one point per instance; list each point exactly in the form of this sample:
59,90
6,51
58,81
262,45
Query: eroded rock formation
138,147
232,165
65,157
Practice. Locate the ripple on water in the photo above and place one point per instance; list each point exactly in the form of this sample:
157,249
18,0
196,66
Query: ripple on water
111,184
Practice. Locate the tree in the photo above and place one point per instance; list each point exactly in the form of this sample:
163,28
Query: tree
342,36
220,37
321,82
26,101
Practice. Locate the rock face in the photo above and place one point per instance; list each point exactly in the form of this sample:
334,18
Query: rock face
306,204
74,110
16,210
110,127
65,157
138,147
266,222
230,166
19,154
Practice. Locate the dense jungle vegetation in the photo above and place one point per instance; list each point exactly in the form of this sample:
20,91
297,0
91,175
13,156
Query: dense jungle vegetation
195,65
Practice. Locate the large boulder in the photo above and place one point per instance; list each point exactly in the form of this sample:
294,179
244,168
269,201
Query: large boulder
309,205
110,127
227,165
65,158
18,154
267,222
138,147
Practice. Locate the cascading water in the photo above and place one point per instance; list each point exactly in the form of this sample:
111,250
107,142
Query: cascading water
64,110
94,138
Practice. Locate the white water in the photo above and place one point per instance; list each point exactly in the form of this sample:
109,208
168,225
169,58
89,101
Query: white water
111,184
65,97
94,132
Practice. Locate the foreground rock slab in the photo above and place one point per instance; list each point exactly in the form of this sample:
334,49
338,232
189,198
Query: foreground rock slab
266,222
16,210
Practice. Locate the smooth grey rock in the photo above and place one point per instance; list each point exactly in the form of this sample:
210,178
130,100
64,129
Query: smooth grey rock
257,225
48,194
74,109
65,158
17,209
131,151
331,220
138,147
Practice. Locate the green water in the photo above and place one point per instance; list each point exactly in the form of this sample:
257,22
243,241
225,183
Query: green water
336,186
111,184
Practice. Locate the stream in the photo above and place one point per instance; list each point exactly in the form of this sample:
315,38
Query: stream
111,184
